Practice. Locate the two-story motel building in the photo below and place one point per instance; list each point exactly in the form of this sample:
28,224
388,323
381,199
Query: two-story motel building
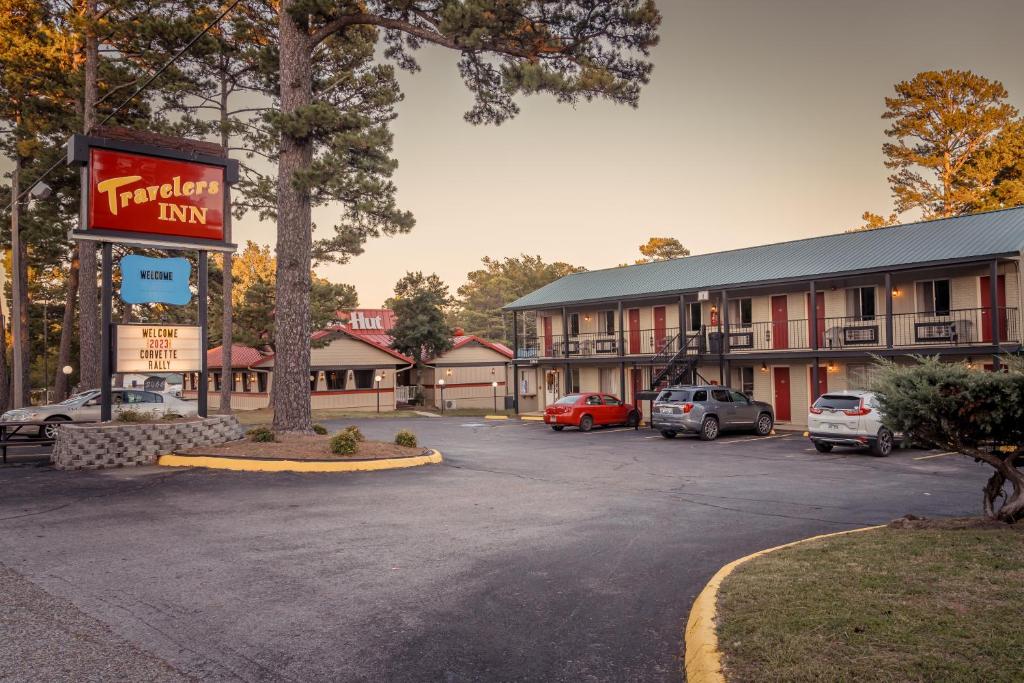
782,322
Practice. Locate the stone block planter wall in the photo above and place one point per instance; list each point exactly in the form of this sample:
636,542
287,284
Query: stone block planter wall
119,444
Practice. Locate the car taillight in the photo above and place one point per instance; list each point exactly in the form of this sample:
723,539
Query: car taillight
816,411
856,412
687,407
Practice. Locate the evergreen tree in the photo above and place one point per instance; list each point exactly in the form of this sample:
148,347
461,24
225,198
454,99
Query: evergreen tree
420,330
662,249
572,49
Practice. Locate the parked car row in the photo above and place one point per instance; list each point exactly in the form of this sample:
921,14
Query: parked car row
841,418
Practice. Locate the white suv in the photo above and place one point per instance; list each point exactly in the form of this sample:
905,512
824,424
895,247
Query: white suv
849,418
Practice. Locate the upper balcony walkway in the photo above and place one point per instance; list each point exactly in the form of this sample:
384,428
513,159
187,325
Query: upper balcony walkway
962,328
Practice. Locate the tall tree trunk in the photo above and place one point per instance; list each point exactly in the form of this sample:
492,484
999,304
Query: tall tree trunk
5,375
26,351
228,279
19,314
67,329
88,294
291,395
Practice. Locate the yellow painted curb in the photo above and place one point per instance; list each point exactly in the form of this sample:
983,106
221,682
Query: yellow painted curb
495,417
260,465
703,660
532,418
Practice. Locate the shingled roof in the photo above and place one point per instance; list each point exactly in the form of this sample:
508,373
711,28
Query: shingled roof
937,242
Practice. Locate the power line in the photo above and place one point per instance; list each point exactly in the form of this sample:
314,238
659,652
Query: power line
135,94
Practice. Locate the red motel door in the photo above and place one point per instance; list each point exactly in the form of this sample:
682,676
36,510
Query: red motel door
659,328
986,311
819,315
634,330
780,322
822,382
547,336
783,410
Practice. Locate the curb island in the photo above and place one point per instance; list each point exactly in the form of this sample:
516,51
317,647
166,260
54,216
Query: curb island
241,464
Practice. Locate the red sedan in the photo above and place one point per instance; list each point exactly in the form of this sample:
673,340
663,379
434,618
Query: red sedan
586,410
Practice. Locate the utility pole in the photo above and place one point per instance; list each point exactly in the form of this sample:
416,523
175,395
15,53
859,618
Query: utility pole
17,380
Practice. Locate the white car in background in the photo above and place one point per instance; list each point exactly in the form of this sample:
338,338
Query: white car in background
849,418
85,407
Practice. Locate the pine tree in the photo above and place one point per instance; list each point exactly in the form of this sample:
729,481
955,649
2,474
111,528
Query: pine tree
662,249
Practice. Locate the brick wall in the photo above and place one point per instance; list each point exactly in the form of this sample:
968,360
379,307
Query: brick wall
120,444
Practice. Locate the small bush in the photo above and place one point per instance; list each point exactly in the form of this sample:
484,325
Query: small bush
354,431
320,429
344,443
172,416
261,435
405,438
132,415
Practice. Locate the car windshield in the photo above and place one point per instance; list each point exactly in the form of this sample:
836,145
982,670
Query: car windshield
838,402
568,400
77,398
674,396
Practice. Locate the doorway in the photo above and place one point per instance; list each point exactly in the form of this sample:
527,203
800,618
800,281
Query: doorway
552,386
986,311
780,322
783,408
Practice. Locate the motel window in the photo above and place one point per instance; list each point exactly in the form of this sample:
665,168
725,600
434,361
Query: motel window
574,324
216,380
312,381
364,379
747,381
246,382
261,382
933,297
694,315
606,322
574,380
741,312
335,380
860,375
860,302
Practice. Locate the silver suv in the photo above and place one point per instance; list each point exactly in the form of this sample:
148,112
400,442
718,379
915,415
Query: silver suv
707,410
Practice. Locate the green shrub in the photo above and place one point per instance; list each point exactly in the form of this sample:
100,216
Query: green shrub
172,416
261,435
320,429
344,443
405,438
354,431
132,415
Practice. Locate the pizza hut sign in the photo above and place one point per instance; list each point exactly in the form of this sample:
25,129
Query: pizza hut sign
158,196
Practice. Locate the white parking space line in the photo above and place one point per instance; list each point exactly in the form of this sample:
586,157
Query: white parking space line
611,431
753,438
936,455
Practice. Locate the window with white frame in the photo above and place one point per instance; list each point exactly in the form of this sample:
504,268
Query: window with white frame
694,316
860,303
933,297
574,324
860,375
574,380
606,322
741,312
747,381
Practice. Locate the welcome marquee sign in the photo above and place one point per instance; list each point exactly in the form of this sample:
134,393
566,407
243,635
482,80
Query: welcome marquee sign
171,195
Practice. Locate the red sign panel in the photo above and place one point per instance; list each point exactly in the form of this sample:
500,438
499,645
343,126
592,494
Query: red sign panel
158,197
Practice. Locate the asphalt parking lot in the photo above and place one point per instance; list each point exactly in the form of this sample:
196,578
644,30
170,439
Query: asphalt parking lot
527,555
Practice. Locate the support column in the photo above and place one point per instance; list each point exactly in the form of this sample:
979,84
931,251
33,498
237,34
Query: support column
814,339
683,327
565,349
723,339
106,297
204,335
993,292
515,366
622,354
888,311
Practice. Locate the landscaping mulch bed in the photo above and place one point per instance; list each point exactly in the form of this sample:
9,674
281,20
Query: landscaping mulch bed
304,447
919,600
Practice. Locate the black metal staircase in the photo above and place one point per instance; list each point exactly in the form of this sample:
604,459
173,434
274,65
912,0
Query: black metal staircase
677,362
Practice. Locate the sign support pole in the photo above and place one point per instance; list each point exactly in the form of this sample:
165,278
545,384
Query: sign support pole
203,393
106,297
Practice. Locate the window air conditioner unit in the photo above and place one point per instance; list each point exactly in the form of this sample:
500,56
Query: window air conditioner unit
450,405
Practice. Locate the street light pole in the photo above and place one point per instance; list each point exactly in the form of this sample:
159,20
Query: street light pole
67,370
494,387
378,379
440,383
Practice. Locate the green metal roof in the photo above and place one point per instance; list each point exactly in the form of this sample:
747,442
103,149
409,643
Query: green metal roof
960,238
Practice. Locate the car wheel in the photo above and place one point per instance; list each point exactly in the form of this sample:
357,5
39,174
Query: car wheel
668,434
822,447
558,428
49,431
883,444
586,423
764,424
633,420
709,429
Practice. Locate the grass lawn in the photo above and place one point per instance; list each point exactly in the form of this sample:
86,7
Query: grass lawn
931,601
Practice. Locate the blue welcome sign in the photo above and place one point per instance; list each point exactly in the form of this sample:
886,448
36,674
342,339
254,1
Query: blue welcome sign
146,280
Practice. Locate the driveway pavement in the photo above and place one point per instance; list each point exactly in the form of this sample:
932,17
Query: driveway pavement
527,555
